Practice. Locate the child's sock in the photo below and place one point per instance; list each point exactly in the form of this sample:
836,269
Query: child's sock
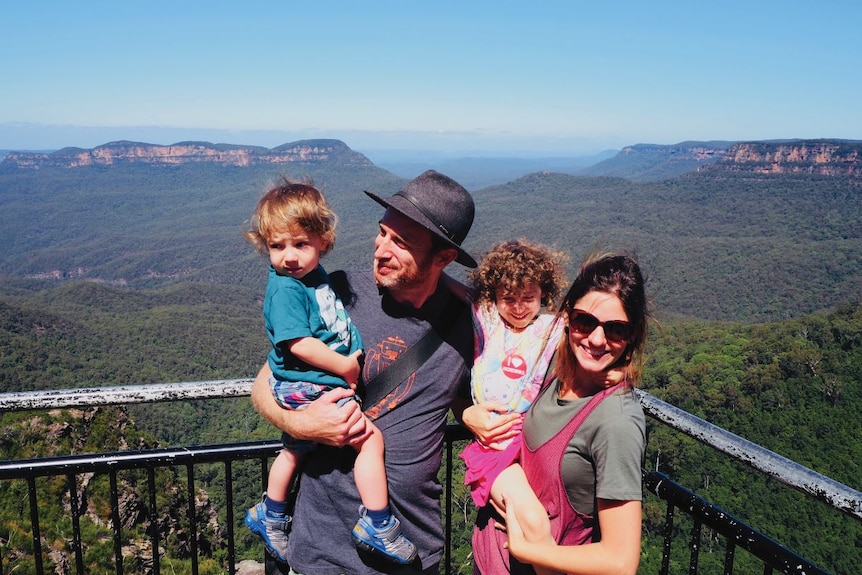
379,517
276,508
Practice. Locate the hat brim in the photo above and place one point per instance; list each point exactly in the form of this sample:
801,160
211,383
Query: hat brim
408,210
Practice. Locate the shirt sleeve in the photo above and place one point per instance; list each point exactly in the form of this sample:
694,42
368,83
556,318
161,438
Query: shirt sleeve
618,450
289,312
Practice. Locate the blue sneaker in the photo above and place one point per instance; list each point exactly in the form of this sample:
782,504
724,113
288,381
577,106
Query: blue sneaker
274,532
386,540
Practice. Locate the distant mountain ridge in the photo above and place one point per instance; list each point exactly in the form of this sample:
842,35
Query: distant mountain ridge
639,162
305,151
651,162
734,240
822,157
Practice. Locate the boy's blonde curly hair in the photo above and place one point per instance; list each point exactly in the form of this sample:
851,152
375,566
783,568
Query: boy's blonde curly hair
514,264
292,206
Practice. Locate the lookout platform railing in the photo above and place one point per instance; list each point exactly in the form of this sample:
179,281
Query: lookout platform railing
702,515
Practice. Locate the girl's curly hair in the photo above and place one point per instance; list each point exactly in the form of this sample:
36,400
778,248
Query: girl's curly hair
513,264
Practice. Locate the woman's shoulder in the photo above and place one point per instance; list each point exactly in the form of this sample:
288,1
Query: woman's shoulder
621,406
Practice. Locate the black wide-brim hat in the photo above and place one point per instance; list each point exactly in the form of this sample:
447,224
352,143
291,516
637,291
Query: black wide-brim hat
439,204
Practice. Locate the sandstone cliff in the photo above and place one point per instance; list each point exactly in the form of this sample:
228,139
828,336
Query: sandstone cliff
305,151
646,162
821,157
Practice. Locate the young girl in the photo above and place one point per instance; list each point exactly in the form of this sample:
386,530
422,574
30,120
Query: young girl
514,343
315,347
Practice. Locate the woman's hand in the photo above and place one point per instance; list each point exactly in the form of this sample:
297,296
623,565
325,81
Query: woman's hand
516,540
491,423
535,551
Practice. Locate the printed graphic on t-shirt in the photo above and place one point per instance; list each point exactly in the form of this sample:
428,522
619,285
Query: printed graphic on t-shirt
377,359
514,366
334,315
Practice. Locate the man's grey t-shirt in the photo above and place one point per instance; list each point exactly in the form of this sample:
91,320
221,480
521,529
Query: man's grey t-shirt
412,419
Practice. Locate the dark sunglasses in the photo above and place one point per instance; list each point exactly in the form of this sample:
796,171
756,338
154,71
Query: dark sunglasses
586,323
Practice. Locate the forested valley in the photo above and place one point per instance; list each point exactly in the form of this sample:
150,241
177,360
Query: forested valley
134,275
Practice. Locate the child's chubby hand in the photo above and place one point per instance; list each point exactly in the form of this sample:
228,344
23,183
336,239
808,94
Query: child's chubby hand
614,376
491,423
351,374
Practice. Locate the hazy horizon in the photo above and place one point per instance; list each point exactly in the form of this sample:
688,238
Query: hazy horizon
499,78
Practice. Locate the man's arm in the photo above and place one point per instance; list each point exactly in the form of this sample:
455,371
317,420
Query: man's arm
323,421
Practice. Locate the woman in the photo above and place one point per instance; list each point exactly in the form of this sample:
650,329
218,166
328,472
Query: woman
584,437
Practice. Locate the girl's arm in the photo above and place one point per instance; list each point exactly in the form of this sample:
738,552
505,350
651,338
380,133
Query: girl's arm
618,553
316,353
459,290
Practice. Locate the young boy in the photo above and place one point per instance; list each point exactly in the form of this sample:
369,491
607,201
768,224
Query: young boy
315,348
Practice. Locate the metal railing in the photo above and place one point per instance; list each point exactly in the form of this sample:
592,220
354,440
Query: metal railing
678,499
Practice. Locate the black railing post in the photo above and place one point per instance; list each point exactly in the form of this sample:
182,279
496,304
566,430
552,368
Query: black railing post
115,515
228,488
77,545
154,519
668,539
728,557
193,521
694,546
34,525
448,532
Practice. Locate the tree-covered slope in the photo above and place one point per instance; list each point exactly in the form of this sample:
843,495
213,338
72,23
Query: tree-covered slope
735,247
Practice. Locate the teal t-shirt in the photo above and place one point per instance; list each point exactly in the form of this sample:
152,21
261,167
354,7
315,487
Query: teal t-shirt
307,307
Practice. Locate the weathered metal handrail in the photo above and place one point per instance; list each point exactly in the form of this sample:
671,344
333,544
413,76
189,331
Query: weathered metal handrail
785,470
123,394
839,496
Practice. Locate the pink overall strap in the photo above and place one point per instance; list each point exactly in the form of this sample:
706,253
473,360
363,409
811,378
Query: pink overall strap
543,468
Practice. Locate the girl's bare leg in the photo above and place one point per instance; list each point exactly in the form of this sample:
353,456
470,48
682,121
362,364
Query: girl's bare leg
530,512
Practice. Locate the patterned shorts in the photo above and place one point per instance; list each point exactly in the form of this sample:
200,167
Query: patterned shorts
297,395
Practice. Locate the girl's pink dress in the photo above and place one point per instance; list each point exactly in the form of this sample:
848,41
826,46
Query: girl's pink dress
508,368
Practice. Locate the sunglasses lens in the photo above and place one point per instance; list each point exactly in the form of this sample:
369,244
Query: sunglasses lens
616,331
583,322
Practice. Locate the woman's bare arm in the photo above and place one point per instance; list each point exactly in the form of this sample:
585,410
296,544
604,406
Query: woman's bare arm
618,553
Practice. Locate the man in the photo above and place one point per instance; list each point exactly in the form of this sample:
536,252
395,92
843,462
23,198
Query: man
420,234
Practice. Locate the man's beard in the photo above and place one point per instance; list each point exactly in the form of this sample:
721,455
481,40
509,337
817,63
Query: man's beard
405,278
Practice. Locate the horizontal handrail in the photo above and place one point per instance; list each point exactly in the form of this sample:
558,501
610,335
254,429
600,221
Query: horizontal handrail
123,394
96,462
785,470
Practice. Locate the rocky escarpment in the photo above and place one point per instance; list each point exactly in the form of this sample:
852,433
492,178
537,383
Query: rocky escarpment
820,157
685,151
304,152
647,162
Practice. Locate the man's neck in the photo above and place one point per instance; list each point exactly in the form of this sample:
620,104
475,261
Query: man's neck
415,297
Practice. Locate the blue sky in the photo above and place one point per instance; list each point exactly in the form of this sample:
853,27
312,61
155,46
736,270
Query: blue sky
496,77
